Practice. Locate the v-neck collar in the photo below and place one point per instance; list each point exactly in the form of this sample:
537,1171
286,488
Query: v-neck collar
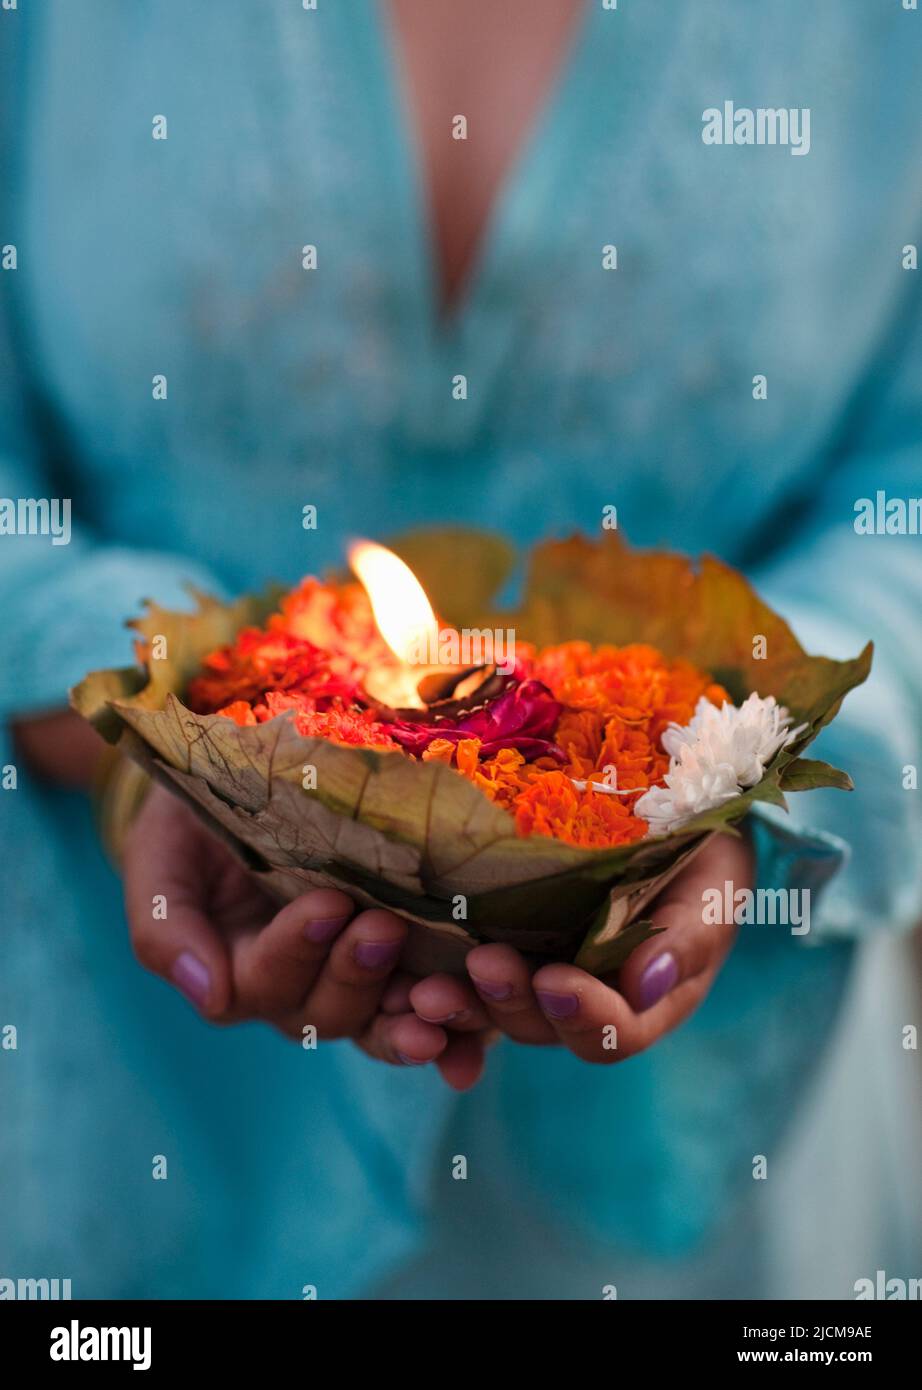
594,96
446,312
514,193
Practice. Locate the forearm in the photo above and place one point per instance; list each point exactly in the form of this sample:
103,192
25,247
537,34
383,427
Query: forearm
59,747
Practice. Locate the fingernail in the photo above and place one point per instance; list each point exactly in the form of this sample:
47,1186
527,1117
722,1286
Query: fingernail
410,1061
557,1005
446,1018
192,977
374,955
657,980
492,989
324,928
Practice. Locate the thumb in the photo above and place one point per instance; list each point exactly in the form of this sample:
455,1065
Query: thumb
166,904
686,946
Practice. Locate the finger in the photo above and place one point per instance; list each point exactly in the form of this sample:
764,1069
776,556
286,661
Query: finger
587,1015
663,981
501,979
449,1000
348,990
403,1040
396,996
170,932
598,1024
274,969
686,945
684,950
461,1064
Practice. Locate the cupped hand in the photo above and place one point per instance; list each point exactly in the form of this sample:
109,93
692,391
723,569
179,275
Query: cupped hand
201,921
607,1020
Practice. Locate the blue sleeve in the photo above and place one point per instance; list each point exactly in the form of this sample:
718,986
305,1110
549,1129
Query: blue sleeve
63,600
837,588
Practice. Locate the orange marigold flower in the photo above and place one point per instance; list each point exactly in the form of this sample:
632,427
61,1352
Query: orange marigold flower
467,754
440,750
620,700
241,711
339,723
319,644
311,658
551,805
357,728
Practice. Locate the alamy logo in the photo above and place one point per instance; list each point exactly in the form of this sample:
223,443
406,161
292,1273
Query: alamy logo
36,516
760,907
763,125
35,1288
888,516
76,1343
467,646
880,1287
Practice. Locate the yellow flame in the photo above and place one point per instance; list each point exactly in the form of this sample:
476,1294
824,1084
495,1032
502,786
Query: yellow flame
402,612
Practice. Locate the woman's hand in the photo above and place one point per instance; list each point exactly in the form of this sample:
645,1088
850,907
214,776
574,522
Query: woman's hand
198,919
662,982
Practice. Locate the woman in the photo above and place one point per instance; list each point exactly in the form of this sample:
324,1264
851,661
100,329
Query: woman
183,366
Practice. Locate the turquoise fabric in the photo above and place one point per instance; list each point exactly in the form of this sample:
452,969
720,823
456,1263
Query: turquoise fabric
333,387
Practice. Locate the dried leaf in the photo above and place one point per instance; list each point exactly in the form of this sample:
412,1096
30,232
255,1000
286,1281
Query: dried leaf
413,835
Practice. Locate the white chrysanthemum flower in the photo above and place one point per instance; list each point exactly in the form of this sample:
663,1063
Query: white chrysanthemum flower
719,753
693,784
747,737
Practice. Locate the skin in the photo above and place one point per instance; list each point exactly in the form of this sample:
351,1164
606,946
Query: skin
480,60
497,66
261,962
263,965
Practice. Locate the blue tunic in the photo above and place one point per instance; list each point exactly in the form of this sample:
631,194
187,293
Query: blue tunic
183,257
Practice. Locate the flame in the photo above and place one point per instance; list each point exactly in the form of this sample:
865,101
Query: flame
402,612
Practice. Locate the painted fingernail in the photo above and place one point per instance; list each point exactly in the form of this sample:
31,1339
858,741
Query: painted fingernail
410,1061
492,989
375,955
192,977
557,1005
324,928
657,980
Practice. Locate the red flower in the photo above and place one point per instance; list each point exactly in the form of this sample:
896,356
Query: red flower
524,717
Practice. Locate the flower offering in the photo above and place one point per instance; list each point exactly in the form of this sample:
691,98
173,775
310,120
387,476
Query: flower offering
534,776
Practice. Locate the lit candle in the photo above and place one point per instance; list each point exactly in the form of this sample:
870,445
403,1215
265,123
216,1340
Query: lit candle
406,621
404,618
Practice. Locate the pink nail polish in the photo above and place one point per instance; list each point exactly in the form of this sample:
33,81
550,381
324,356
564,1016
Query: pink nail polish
323,929
657,979
192,977
375,955
490,989
557,1005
